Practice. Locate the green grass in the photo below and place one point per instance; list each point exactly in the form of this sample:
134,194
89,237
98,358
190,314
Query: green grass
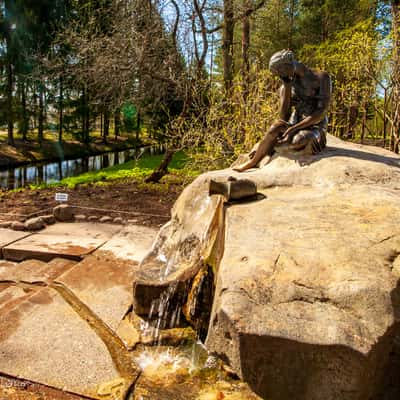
136,170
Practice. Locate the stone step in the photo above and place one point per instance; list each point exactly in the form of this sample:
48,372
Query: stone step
65,240
8,236
133,242
33,271
46,247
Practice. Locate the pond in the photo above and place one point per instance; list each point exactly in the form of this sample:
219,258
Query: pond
37,173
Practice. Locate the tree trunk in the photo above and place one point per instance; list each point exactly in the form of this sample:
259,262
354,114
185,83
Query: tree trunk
227,45
85,116
245,47
25,123
41,113
395,131
10,114
163,167
106,125
117,123
61,110
138,123
291,23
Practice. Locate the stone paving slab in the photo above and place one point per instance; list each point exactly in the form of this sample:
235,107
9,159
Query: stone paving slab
6,264
12,296
34,271
104,284
84,229
45,247
66,240
44,340
8,236
133,242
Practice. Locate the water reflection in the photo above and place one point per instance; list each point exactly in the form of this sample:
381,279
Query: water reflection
53,172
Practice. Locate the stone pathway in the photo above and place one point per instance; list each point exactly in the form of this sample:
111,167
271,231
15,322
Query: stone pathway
63,295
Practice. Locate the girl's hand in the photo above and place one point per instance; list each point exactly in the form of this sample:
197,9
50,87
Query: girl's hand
287,136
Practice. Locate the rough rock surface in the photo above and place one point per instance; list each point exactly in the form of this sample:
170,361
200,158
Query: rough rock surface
35,224
307,297
49,219
18,226
63,213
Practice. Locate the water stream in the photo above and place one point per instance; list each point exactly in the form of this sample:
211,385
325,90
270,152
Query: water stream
37,173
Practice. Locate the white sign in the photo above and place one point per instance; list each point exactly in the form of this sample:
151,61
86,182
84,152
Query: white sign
61,197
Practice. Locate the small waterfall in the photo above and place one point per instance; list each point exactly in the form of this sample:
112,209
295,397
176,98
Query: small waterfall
164,314
173,295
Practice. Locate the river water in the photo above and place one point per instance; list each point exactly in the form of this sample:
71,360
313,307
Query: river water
37,173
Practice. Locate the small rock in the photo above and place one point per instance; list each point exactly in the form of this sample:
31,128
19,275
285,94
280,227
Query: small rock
35,224
80,217
18,226
127,332
5,224
93,218
106,218
118,220
132,221
63,213
49,219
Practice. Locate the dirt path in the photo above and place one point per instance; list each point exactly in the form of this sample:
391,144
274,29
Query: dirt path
127,199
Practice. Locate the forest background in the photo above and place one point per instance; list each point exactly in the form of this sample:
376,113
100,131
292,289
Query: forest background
192,73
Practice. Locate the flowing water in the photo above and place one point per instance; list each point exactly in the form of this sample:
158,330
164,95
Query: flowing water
185,372
175,364
37,173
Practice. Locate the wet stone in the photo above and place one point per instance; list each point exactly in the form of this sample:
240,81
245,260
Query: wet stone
105,219
12,296
34,271
93,218
5,224
80,218
104,284
118,220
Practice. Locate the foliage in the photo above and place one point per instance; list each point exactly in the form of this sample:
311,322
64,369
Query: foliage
356,68
78,67
231,124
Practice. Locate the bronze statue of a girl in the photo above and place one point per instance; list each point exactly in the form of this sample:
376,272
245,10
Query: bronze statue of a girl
305,95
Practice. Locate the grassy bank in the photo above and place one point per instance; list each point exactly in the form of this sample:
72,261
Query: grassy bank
133,170
25,152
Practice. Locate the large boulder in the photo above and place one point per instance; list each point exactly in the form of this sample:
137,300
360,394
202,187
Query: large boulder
307,300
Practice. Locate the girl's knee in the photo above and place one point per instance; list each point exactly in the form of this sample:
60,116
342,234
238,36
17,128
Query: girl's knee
302,137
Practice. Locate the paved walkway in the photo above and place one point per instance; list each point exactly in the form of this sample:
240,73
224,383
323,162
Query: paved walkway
63,295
